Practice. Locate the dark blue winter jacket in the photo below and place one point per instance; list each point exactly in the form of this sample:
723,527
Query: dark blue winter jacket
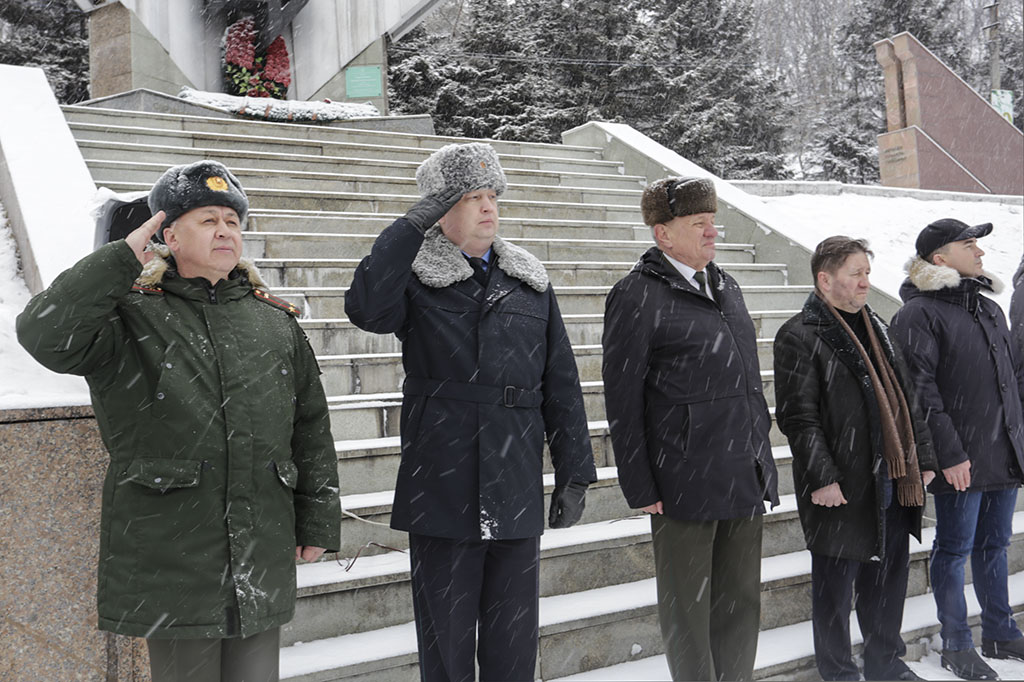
682,387
969,377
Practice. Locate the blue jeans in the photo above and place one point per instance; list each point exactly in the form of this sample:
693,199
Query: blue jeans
978,524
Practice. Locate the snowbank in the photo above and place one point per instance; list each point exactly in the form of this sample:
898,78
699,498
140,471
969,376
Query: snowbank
25,383
891,225
279,109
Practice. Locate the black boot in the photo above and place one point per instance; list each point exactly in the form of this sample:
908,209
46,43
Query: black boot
1013,648
967,665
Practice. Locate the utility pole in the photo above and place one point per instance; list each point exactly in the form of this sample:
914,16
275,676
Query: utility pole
992,31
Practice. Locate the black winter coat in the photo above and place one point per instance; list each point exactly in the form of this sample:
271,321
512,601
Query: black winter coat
826,406
682,386
471,466
967,374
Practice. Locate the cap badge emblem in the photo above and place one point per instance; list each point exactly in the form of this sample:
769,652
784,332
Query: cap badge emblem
217,183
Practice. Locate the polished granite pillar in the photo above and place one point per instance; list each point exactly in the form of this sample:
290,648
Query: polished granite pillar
52,465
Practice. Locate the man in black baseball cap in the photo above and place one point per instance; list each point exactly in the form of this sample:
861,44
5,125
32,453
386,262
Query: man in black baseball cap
946,231
969,383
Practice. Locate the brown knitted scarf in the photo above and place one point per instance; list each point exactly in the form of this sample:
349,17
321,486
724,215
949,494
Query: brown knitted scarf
900,451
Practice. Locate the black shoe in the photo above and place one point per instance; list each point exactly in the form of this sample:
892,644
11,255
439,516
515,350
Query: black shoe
1013,648
897,671
967,665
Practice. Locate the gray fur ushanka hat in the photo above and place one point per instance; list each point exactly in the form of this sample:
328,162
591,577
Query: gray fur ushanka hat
203,183
670,198
462,168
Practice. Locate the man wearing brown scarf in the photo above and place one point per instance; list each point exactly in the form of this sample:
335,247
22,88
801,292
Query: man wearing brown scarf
862,455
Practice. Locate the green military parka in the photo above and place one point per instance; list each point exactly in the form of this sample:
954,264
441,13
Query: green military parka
209,401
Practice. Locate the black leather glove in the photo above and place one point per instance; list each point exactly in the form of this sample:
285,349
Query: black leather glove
567,502
425,212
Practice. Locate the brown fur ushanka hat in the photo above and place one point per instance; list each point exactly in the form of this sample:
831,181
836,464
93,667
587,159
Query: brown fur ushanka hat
671,198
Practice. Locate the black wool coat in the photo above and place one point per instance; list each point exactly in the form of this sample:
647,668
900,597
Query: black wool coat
682,387
968,374
826,406
471,466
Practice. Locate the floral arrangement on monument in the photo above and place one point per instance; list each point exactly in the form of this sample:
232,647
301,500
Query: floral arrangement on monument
249,74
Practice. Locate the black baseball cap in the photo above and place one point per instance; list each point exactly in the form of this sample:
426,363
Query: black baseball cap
946,231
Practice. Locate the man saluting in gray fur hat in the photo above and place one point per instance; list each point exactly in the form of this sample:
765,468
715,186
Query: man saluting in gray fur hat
689,427
208,398
489,374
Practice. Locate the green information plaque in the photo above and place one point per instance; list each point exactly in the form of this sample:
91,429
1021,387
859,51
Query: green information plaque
362,81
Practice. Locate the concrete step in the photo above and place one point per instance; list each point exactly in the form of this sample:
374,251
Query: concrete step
81,117
289,245
341,337
787,653
329,302
338,272
553,157
591,627
265,198
270,220
376,415
366,466
295,171
370,533
383,372
114,173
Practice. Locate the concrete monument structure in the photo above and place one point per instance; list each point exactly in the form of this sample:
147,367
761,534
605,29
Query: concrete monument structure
337,47
941,133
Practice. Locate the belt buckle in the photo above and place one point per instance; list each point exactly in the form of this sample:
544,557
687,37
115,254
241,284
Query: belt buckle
509,399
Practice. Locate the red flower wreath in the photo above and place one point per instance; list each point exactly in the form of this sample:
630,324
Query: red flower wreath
246,73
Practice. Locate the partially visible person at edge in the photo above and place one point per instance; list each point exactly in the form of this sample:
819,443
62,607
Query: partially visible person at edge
690,431
862,456
208,398
1017,309
970,381
489,373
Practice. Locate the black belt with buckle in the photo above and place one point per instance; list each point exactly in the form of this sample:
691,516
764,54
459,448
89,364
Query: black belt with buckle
508,396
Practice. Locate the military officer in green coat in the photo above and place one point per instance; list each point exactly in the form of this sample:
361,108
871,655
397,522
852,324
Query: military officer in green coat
208,398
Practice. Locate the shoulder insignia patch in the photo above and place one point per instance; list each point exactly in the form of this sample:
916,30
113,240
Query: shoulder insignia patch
147,290
276,302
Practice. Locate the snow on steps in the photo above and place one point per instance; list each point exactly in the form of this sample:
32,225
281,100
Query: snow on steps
789,649
573,625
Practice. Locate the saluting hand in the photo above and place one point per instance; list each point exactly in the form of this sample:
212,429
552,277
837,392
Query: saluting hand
829,496
141,235
428,210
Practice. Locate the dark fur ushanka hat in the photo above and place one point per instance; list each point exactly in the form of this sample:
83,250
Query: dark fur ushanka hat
671,198
203,183
462,168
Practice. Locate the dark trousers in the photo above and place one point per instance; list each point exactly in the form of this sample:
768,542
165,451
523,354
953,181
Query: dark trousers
979,525
880,587
238,659
709,595
476,595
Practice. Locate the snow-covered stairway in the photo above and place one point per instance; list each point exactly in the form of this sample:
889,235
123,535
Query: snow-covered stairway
319,196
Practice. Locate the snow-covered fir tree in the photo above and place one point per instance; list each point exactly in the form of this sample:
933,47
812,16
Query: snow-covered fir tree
685,73
50,34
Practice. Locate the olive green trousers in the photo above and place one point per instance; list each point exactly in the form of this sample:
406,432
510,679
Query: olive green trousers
236,659
709,595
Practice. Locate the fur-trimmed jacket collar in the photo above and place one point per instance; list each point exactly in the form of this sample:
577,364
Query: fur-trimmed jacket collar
440,263
945,283
153,272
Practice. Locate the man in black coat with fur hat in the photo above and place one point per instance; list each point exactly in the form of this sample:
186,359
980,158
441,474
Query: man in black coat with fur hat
862,455
970,380
489,373
689,427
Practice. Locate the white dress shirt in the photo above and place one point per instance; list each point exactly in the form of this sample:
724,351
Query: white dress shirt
687,272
